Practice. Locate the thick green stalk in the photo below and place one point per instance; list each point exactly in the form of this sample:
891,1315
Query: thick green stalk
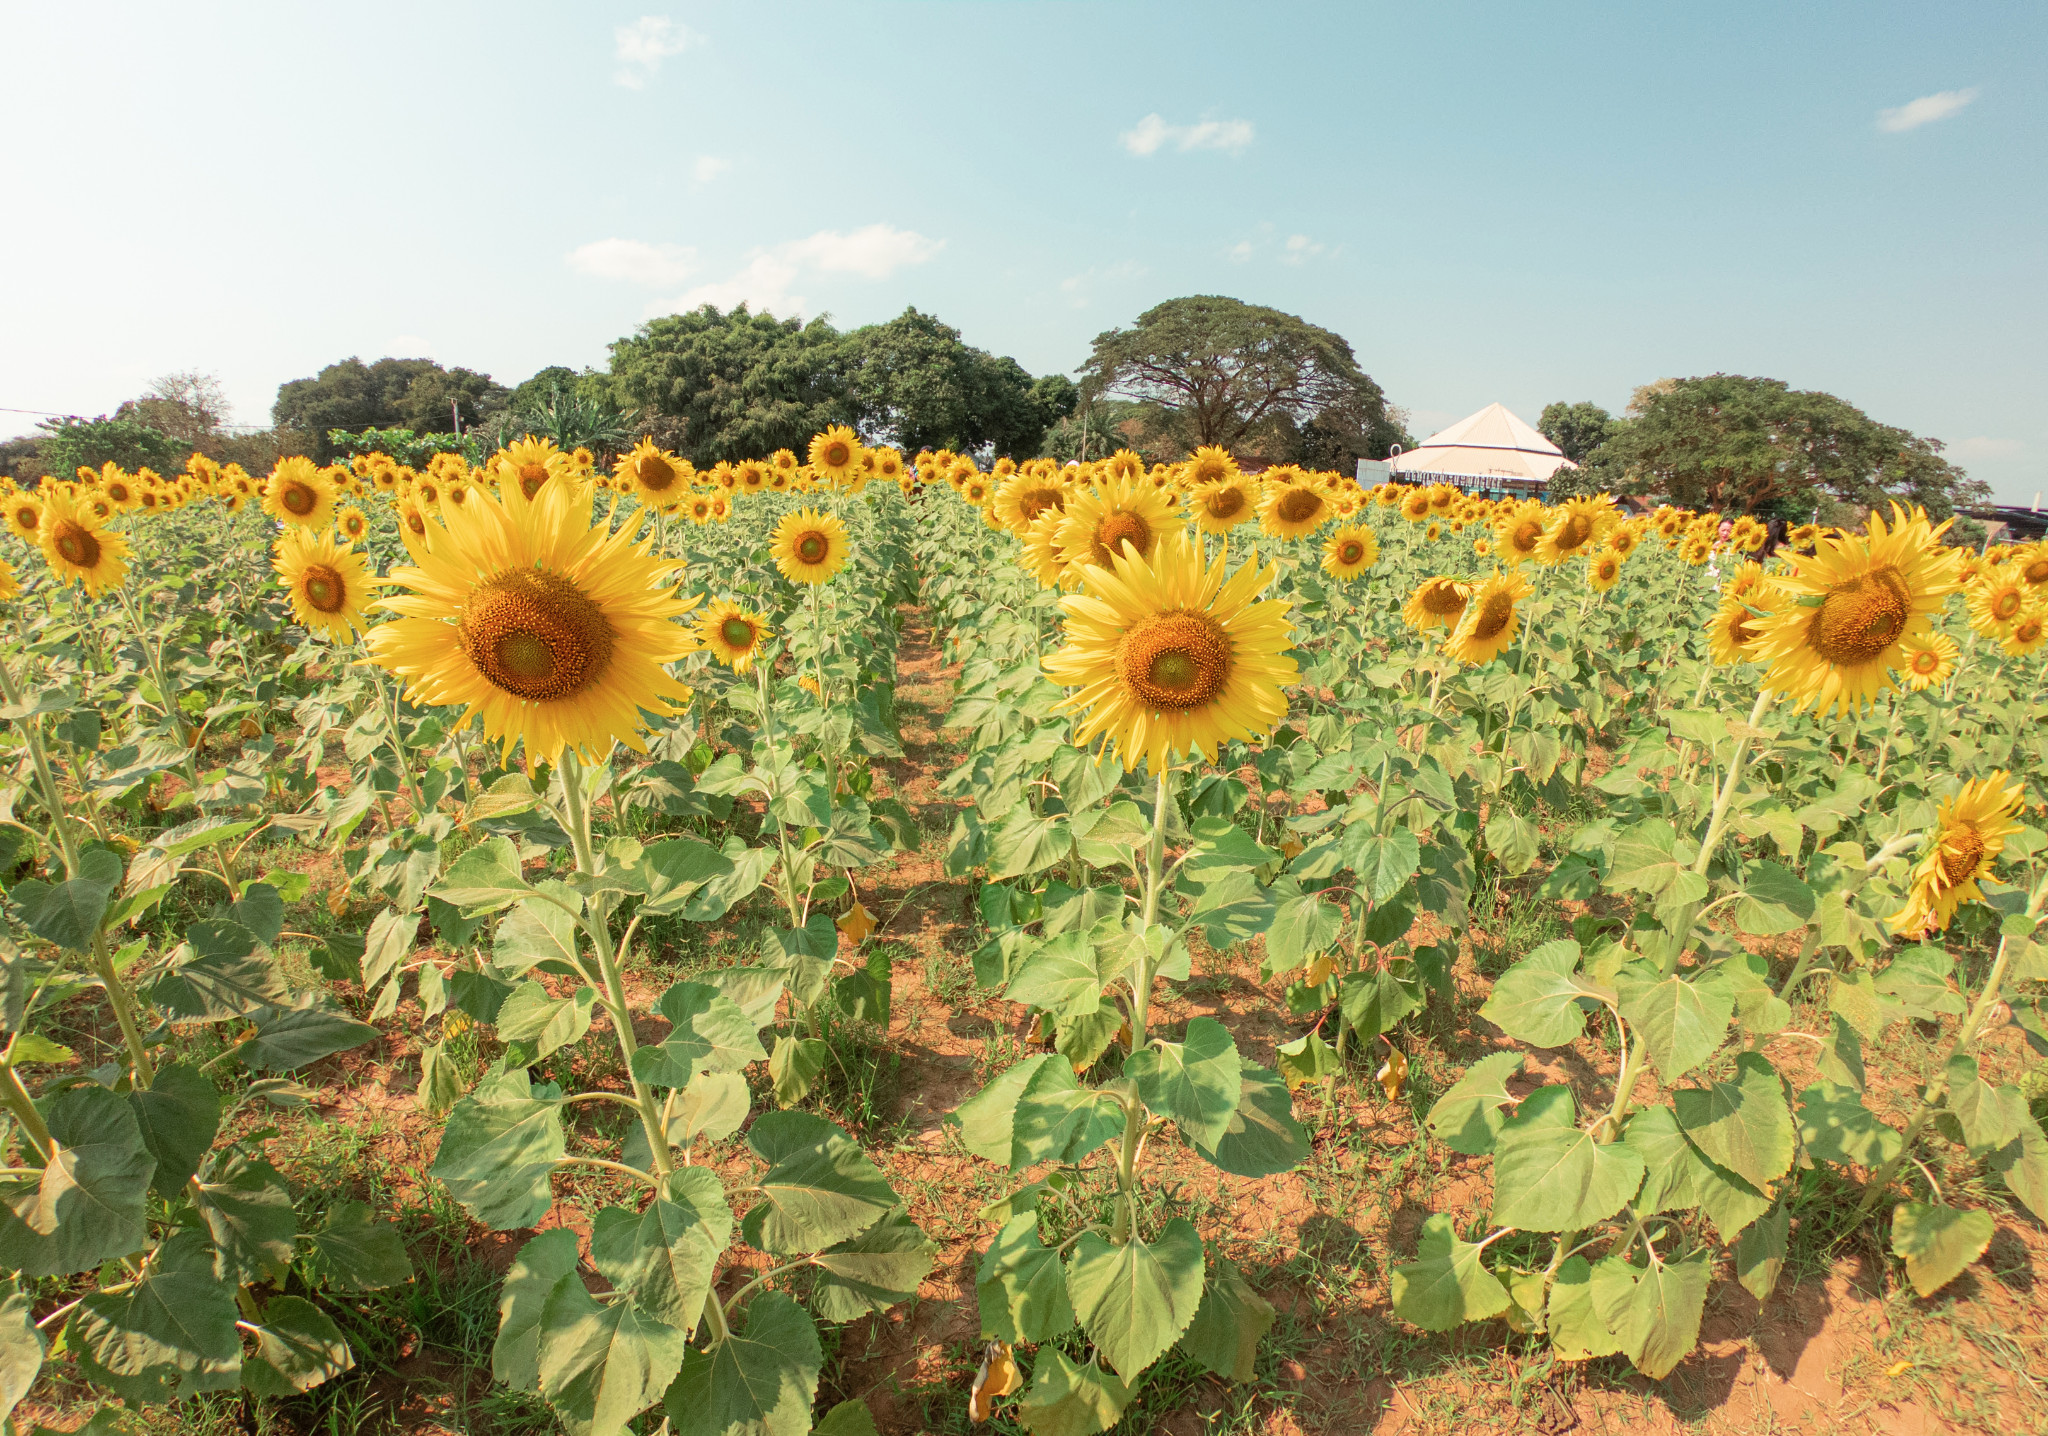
1155,868
1717,827
599,928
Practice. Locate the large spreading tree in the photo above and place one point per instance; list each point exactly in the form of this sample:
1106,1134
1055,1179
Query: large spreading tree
1741,444
415,394
1254,380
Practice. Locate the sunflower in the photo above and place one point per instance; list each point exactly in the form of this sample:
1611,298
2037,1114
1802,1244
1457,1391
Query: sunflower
751,475
548,629
118,487
733,634
1603,570
1415,505
1492,619
1520,531
1437,603
531,463
352,523
1929,661
326,580
79,549
835,454
1219,505
888,465
1579,525
1482,547
1996,602
1291,510
1101,519
1695,550
1852,603
721,508
1970,833
1622,542
784,462
1021,498
299,493
1745,584
412,519
1434,532
25,517
1171,655
1350,551
10,586
1041,554
1124,464
1732,633
1210,465
698,507
2027,634
2033,564
808,546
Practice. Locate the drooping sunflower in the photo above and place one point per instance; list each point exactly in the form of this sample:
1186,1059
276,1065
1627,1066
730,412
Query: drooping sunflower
1436,603
1290,510
1996,602
1849,606
808,546
1220,505
1021,497
1603,570
1491,620
1101,519
734,634
1929,661
25,517
2028,633
547,628
79,547
1970,832
1350,551
835,454
1732,633
299,492
1577,526
352,523
1041,553
327,582
1170,655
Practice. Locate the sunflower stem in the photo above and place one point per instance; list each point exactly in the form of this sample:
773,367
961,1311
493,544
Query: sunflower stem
1931,1100
1155,865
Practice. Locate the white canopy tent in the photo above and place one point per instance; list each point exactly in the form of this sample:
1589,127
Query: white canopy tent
1492,449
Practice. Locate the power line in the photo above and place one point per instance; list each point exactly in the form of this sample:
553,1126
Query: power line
62,414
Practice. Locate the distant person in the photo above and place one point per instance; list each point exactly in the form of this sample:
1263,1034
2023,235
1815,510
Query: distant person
1777,533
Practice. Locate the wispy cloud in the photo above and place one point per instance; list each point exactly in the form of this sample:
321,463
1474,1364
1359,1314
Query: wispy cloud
634,261
1300,249
769,278
1924,111
1983,448
1153,134
1240,252
644,44
709,168
1079,288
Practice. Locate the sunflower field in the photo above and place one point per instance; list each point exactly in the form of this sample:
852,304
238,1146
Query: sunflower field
507,948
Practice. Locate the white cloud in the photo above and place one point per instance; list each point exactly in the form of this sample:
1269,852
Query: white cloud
769,278
709,168
634,261
1982,448
1153,134
1240,252
1300,249
1079,288
644,44
1924,111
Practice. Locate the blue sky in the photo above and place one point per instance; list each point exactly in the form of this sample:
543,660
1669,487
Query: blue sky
1490,201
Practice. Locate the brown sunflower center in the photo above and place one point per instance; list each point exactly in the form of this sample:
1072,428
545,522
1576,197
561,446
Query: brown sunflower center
1962,849
536,635
812,546
1298,506
1118,529
323,588
299,499
1525,536
2035,571
1574,531
76,543
1350,551
1494,615
1861,619
837,454
531,477
118,493
1607,569
2006,605
737,632
1033,502
1926,661
1225,503
654,473
1175,661
416,521
1442,599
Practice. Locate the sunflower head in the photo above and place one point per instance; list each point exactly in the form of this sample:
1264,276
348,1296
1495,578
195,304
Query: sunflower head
1169,655
79,547
1996,601
530,463
2028,633
1603,570
10,586
1350,551
1020,498
734,634
1040,554
299,493
808,546
836,454
1491,619
25,517
326,581
1210,465
352,523
1290,510
1733,631
1103,519
1415,505
1575,527
1219,505
1970,832
1929,661
1436,603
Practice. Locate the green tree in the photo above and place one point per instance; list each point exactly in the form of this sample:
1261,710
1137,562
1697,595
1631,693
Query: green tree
915,383
1578,429
415,394
1735,443
732,385
1214,370
69,444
